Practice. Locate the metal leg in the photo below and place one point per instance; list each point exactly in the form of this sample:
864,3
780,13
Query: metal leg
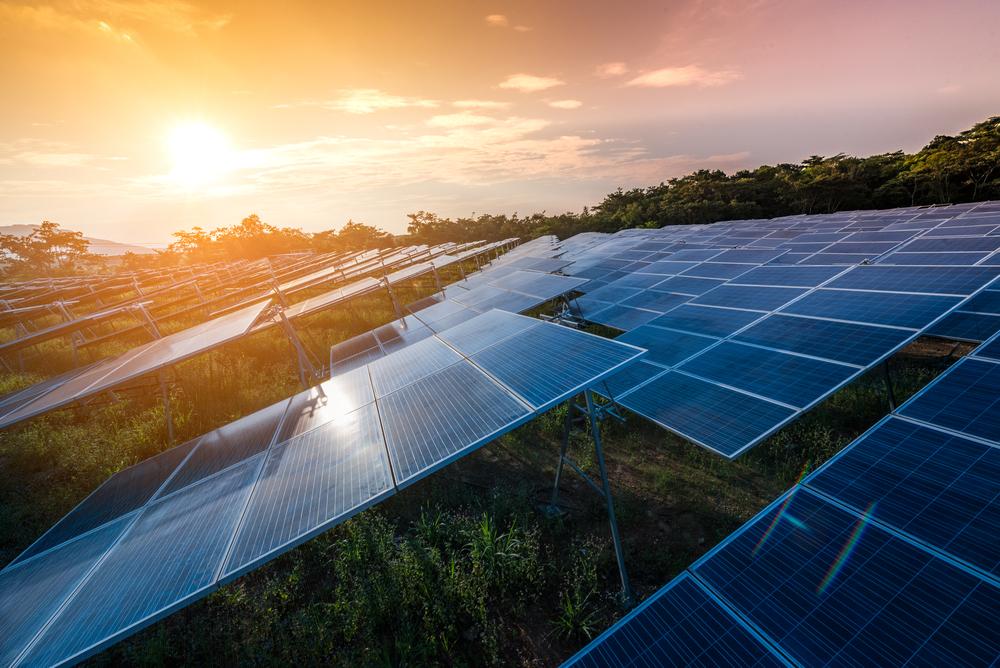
567,425
165,394
619,553
888,386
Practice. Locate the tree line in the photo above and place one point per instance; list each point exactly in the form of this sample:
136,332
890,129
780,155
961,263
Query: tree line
948,170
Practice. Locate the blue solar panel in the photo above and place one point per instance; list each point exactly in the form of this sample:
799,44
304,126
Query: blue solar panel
717,270
667,268
680,625
721,419
990,349
792,276
696,254
869,248
964,326
654,300
939,488
706,320
312,482
839,341
844,259
409,364
143,577
966,399
622,317
688,285
491,327
987,301
524,363
627,379
121,494
915,311
613,293
641,281
749,297
748,256
940,280
830,588
436,419
972,244
666,347
949,259
790,379
228,445
30,593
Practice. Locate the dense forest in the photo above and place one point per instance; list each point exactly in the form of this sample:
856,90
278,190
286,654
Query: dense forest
948,170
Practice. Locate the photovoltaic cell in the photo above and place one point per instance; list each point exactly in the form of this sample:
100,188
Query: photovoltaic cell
706,320
790,379
965,326
32,592
966,399
622,317
831,588
434,420
792,276
482,332
749,297
119,495
654,300
941,280
329,400
142,577
680,625
312,482
410,364
627,379
950,259
525,365
228,445
724,270
839,341
914,311
706,413
990,349
939,488
688,285
666,347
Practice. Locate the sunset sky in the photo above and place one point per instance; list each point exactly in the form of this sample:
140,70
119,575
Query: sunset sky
131,119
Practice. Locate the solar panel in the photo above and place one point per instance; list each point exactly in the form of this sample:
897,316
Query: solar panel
749,297
967,400
666,347
839,341
936,280
828,586
680,625
938,487
880,308
311,482
203,513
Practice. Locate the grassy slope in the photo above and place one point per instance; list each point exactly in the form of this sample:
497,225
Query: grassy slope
459,569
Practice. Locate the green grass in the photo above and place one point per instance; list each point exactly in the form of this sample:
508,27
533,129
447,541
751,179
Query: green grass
458,569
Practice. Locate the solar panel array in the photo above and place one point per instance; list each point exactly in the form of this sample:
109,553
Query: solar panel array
169,530
886,555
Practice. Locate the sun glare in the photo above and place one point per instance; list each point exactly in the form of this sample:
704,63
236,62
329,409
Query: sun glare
200,154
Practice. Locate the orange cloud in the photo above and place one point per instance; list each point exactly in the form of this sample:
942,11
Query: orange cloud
691,75
529,83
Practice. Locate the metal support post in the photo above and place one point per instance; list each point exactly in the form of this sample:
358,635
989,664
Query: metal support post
150,323
437,280
392,297
306,368
888,386
595,427
567,426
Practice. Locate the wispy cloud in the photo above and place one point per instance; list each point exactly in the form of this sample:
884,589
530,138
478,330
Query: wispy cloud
363,101
691,75
480,104
501,21
119,19
608,70
30,152
566,104
529,83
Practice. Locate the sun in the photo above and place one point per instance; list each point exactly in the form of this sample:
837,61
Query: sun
200,154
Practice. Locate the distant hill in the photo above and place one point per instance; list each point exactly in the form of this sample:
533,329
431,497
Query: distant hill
97,246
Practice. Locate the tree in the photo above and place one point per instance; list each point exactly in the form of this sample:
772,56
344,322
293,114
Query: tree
47,250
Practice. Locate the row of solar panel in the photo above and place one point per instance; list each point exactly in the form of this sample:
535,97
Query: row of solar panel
167,531
887,555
